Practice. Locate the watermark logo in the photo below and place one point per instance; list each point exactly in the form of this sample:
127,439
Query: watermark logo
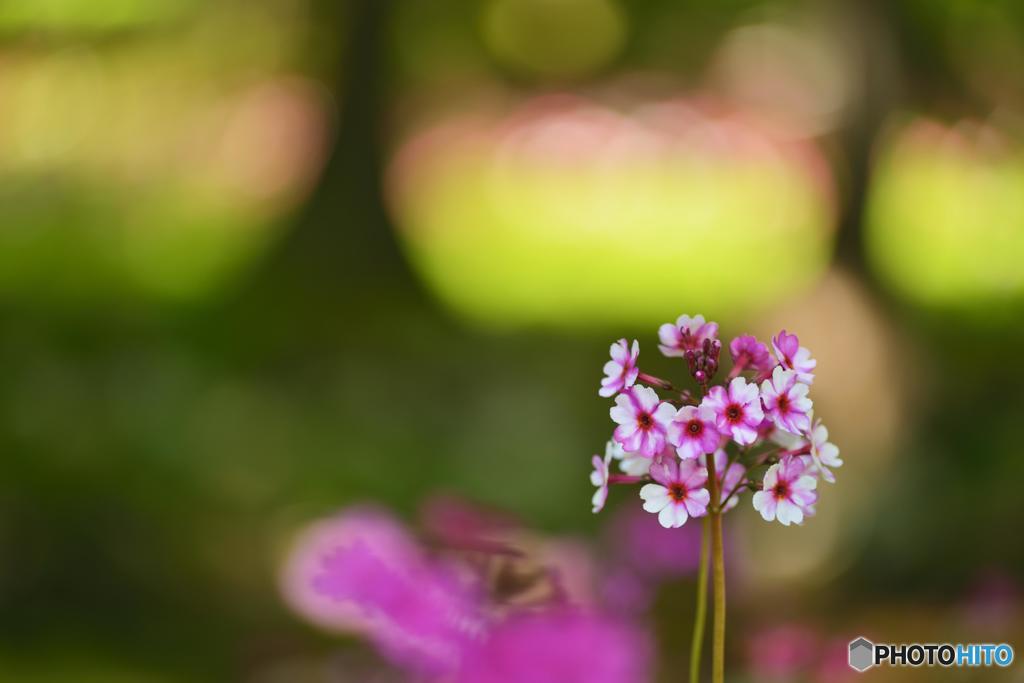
864,654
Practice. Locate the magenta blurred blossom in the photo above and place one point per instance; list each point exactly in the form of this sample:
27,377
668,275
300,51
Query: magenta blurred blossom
559,647
782,652
362,572
650,550
305,561
459,525
626,591
833,665
993,602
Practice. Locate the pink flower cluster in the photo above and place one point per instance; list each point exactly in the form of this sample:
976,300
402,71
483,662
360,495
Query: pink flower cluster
757,424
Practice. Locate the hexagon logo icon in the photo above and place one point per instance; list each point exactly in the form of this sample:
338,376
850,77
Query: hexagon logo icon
862,654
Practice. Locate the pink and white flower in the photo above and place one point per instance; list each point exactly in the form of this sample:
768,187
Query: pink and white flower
599,478
788,492
726,484
824,453
785,401
749,354
679,493
738,412
794,357
693,432
686,335
643,421
630,463
621,371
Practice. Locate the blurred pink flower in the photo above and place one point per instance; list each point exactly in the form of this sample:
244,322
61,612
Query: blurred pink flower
737,410
993,601
305,561
788,492
650,550
679,492
624,591
834,662
461,526
362,572
785,401
693,432
643,420
792,356
782,652
688,334
559,647
621,371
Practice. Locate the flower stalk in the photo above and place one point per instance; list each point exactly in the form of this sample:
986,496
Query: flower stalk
754,431
718,588
700,613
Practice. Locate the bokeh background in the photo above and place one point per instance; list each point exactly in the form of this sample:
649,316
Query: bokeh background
264,259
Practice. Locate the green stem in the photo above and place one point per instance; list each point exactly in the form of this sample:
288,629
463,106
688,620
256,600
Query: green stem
717,582
702,604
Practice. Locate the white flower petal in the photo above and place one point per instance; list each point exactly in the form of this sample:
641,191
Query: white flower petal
763,503
612,449
635,465
621,414
673,515
783,511
806,482
646,398
665,413
655,497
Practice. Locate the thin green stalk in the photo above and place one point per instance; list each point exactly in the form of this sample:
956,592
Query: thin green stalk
702,604
718,586
717,583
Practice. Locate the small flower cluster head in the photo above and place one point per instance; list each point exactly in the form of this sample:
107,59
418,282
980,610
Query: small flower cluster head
757,425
